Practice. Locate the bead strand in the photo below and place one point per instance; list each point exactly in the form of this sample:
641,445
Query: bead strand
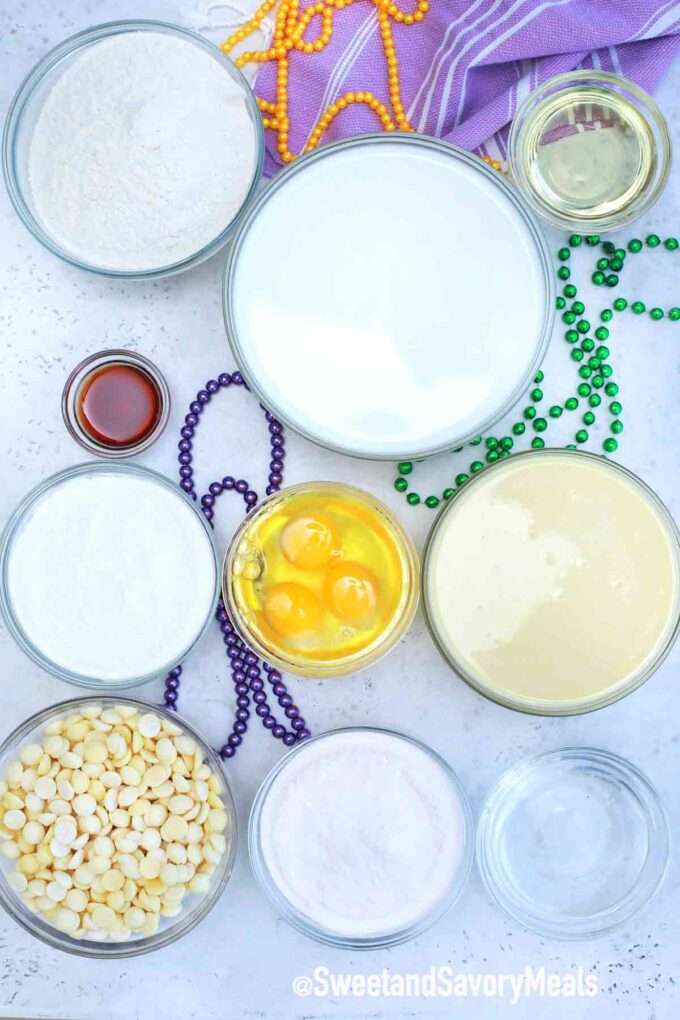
590,354
285,700
245,665
290,26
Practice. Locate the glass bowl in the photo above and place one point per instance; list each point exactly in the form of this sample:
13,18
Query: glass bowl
471,674
309,666
82,372
12,529
170,929
362,401
26,107
307,925
603,180
573,843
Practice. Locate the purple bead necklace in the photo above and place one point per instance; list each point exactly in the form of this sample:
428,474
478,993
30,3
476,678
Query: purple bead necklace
246,668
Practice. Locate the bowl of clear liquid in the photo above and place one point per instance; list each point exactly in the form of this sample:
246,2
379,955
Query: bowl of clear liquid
590,151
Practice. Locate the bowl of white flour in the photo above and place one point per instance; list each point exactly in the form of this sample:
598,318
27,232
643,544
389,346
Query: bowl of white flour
132,148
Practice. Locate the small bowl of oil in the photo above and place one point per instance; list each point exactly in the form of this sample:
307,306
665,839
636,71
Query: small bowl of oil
321,579
590,151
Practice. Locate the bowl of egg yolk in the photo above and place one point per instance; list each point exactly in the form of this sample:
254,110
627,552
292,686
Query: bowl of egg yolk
321,579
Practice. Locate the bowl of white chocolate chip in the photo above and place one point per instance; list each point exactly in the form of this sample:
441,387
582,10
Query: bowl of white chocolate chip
117,827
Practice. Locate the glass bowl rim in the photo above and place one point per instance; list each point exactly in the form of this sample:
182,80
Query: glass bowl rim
305,925
556,709
652,113
82,371
9,900
10,531
649,880
39,72
335,667
517,200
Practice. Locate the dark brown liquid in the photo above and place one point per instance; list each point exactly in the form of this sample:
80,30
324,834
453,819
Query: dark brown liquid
118,405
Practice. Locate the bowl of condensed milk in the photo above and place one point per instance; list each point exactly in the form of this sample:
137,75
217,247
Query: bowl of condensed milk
551,582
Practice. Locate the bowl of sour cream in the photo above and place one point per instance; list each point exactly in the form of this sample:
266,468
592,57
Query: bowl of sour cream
108,575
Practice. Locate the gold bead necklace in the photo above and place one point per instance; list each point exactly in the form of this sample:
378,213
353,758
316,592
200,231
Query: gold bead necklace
289,34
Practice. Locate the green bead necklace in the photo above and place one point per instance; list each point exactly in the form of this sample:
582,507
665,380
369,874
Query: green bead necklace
589,353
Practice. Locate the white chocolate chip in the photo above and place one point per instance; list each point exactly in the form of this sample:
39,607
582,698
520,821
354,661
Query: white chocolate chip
55,892
130,776
125,845
65,789
90,824
70,760
31,754
199,884
17,881
166,751
150,867
129,865
111,716
113,880
127,796
185,744
99,864
103,846
56,746
116,745
155,775
180,804
95,752
65,830
14,820
33,833
59,807
108,819
194,853
111,780
77,859
80,781
151,839
84,804
175,893
216,821
150,925
177,853
45,788
149,725
103,917
111,800
201,789
76,899
66,920
134,918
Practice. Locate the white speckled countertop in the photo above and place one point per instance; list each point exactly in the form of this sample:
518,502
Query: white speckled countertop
241,960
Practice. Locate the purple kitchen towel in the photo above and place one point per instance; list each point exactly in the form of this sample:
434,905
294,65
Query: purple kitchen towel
468,64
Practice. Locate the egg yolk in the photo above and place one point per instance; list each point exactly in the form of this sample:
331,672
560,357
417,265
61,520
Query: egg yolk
351,592
308,541
290,608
